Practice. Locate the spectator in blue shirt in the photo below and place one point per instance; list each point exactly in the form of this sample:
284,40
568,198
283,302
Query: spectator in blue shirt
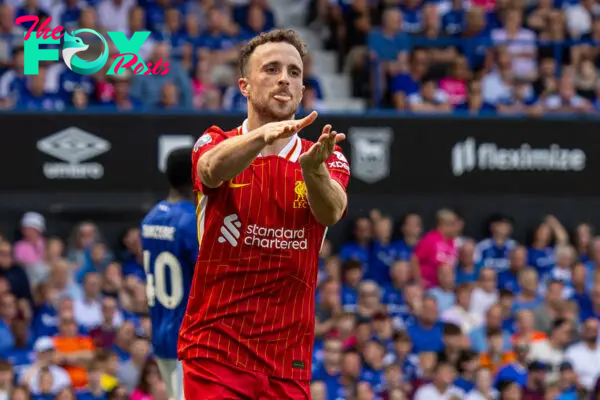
242,15
35,96
467,270
372,371
528,298
494,251
411,228
359,248
475,105
454,20
329,371
393,292
509,278
412,15
352,272
517,370
388,43
404,84
383,252
426,332
443,293
545,236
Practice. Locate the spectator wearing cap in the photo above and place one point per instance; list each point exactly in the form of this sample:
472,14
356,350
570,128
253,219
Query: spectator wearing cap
330,371
551,351
436,248
441,387
29,251
14,274
444,293
495,251
536,381
468,269
426,332
459,314
485,293
45,354
584,356
549,310
515,371
509,278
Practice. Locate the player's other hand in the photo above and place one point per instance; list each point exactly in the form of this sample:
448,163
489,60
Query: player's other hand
285,129
320,151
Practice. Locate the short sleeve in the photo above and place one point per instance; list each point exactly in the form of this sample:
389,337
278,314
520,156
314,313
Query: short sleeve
338,167
211,137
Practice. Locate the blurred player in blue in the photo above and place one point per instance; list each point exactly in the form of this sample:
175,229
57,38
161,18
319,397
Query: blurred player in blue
170,244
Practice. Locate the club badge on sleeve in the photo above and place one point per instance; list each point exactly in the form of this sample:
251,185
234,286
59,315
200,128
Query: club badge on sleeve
202,140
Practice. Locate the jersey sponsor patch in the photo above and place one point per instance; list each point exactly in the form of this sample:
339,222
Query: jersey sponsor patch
340,156
203,140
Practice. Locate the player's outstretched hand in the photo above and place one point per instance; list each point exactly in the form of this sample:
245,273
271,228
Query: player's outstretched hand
322,149
284,129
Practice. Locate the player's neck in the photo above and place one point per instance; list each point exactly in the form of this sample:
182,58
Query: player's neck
175,196
255,121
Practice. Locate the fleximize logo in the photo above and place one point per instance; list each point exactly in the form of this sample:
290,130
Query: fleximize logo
469,156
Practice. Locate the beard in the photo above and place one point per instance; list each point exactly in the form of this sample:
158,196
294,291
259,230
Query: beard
271,110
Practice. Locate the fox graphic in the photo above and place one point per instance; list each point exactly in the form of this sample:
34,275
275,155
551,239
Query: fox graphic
73,45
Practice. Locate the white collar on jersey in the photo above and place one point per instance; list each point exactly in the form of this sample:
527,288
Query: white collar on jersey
290,151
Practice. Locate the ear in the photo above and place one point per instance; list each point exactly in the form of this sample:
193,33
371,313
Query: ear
244,86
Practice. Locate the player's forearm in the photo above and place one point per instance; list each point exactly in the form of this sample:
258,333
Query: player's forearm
326,197
229,158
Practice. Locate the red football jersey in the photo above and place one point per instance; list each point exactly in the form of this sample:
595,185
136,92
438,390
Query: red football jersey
252,298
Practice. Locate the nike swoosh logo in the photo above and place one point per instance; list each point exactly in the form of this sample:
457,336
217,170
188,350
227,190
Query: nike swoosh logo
236,185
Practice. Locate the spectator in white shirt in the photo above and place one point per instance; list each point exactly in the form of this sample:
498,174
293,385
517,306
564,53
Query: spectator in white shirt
520,43
88,312
566,100
584,356
551,351
483,386
497,84
459,314
44,361
429,98
113,15
485,294
442,387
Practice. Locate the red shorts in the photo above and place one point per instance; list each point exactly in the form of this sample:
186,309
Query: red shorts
205,379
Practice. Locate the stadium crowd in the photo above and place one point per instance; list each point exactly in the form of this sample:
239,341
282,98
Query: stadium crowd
493,319
465,56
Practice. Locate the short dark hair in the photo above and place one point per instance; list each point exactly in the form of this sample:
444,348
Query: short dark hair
288,36
179,168
492,331
452,330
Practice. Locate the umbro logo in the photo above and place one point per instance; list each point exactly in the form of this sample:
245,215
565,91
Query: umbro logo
230,230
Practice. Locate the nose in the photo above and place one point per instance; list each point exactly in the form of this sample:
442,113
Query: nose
284,78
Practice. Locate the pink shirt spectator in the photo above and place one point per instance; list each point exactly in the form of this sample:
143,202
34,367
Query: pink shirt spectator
455,89
27,253
139,395
488,5
432,251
